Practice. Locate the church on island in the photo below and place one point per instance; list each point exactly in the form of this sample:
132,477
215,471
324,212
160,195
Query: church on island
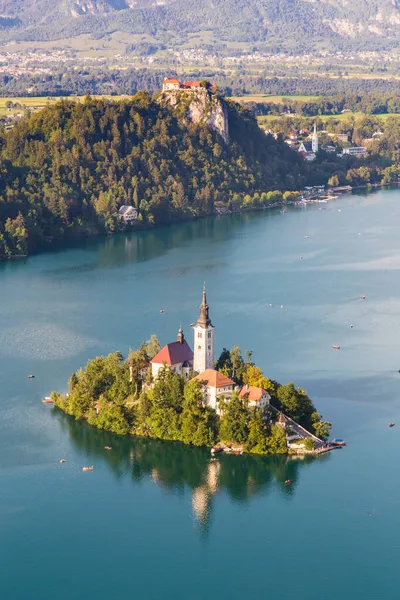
199,364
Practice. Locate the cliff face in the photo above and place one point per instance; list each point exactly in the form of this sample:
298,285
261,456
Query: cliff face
199,105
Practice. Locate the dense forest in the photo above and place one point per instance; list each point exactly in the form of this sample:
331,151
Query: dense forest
103,81
121,397
66,170
369,104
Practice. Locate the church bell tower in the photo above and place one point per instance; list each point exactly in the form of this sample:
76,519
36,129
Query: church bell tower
314,139
203,338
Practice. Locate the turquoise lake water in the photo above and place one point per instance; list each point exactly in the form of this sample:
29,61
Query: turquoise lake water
156,520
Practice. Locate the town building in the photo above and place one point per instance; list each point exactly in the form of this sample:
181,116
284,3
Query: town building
216,386
340,137
355,151
256,396
310,149
176,356
203,338
128,214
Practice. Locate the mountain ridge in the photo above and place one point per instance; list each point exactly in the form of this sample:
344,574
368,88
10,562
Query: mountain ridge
282,23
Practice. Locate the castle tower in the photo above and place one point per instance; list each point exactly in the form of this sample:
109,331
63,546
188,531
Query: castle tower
203,338
314,140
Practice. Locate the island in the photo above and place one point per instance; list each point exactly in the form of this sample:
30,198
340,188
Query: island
178,394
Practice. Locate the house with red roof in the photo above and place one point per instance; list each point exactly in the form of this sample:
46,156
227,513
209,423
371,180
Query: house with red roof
256,396
216,386
177,356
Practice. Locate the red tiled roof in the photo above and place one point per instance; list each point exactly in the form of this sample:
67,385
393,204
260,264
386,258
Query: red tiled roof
254,393
282,418
173,354
214,378
171,80
192,83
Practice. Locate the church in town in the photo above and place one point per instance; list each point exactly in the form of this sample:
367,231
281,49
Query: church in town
199,363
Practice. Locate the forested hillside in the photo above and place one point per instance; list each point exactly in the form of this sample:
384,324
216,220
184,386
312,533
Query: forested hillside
65,171
297,24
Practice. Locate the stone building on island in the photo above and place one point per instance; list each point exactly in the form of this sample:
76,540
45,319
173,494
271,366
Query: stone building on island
179,357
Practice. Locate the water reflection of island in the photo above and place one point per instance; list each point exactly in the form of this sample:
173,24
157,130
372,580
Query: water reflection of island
178,468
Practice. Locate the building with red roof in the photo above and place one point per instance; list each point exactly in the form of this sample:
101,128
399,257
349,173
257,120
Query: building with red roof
216,385
177,356
256,396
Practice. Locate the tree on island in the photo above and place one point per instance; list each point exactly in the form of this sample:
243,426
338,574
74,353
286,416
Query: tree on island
235,420
199,423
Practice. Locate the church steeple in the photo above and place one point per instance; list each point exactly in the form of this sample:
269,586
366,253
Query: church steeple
203,338
204,317
314,139
180,337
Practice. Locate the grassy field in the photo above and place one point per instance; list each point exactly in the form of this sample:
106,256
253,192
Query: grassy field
269,98
264,120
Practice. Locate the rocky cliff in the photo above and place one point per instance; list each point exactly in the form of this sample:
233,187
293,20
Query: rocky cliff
199,105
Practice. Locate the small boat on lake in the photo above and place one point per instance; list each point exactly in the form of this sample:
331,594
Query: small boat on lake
288,481
107,447
48,400
162,311
336,347
217,449
87,468
62,461
392,424
31,377
363,298
338,442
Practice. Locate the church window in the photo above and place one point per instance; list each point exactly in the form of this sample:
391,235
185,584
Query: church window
199,335
209,334
198,347
209,347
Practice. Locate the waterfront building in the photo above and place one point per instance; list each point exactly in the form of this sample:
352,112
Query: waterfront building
128,214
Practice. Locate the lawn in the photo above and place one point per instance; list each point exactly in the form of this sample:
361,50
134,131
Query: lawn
341,117
270,98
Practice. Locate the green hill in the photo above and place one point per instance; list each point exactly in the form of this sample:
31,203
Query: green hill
66,170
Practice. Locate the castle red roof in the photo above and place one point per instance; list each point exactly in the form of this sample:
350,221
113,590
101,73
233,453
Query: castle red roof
174,354
192,83
171,80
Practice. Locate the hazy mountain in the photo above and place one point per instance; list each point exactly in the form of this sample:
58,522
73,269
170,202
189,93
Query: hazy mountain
262,23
